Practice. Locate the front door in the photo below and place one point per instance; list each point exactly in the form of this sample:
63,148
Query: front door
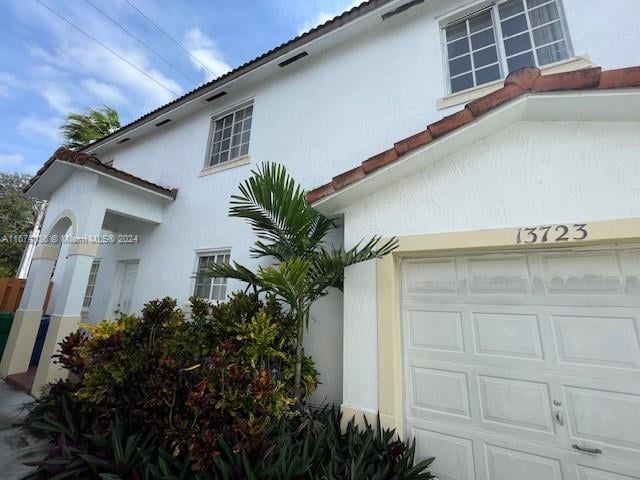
128,272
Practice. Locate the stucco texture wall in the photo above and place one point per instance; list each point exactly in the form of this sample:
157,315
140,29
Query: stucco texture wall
528,174
319,117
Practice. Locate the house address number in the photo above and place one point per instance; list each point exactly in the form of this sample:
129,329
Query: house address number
553,233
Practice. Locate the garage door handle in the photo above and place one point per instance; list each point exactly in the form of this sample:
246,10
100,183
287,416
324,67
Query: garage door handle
559,418
592,451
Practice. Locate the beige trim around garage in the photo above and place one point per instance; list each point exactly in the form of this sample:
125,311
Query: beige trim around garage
390,377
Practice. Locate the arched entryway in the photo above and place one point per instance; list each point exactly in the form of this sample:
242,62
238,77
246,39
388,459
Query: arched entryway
20,344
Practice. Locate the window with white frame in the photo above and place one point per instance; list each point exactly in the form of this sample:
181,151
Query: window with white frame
211,288
91,284
230,136
503,38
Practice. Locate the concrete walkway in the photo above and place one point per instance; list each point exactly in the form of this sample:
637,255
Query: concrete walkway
16,445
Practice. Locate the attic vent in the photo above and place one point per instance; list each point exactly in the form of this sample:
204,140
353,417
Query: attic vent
163,122
214,97
402,8
123,140
295,58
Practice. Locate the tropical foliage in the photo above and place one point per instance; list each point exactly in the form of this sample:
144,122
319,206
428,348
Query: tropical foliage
293,237
157,396
225,373
309,446
83,128
17,215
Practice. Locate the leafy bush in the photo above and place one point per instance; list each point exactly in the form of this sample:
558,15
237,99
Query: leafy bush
225,374
161,397
312,447
79,453
309,446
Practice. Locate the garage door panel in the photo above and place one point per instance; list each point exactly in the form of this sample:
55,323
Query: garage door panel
578,341
516,403
497,399
435,330
604,341
507,334
604,418
508,464
454,455
583,273
430,277
478,442
441,391
498,274
586,473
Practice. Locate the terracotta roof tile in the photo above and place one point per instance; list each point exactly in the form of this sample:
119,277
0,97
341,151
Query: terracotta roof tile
348,177
516,84
482,105
576,80
451,122
412,142
622,77
318,193
379,160
92,162
523,78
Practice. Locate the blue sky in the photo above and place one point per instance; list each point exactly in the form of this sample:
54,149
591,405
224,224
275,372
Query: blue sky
47,68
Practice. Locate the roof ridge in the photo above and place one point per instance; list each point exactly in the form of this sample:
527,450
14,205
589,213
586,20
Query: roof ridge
524,81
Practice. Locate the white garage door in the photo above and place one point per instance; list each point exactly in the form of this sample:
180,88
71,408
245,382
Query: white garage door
525,366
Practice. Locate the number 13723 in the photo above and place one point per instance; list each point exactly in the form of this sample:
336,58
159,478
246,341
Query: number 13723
553,233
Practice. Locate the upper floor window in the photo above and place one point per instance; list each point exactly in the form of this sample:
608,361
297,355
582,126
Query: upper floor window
230,135
211,288
503,38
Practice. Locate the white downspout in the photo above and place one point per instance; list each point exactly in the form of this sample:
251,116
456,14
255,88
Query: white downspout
27,255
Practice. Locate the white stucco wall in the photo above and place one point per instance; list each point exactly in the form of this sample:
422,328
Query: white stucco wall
320,116
531,173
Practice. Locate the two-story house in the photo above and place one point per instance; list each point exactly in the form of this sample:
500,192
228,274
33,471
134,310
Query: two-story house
503,334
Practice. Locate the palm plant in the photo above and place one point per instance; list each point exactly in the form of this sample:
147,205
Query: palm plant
82,129
293,235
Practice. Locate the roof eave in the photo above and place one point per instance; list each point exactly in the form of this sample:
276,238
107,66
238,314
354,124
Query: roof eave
271,57
579,105
42,190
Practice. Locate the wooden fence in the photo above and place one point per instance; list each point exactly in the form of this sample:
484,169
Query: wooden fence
11,292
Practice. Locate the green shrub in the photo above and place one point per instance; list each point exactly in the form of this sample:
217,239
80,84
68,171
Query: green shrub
225,374
79,452
312,447
308,446
161,397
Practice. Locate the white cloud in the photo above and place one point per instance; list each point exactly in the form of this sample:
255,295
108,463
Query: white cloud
68,55
204,49
15,162
92,59
104,92
324,16
57,98
49,129
11,161
8,82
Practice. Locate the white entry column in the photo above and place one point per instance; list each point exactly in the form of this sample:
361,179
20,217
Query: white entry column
67,306
26,322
